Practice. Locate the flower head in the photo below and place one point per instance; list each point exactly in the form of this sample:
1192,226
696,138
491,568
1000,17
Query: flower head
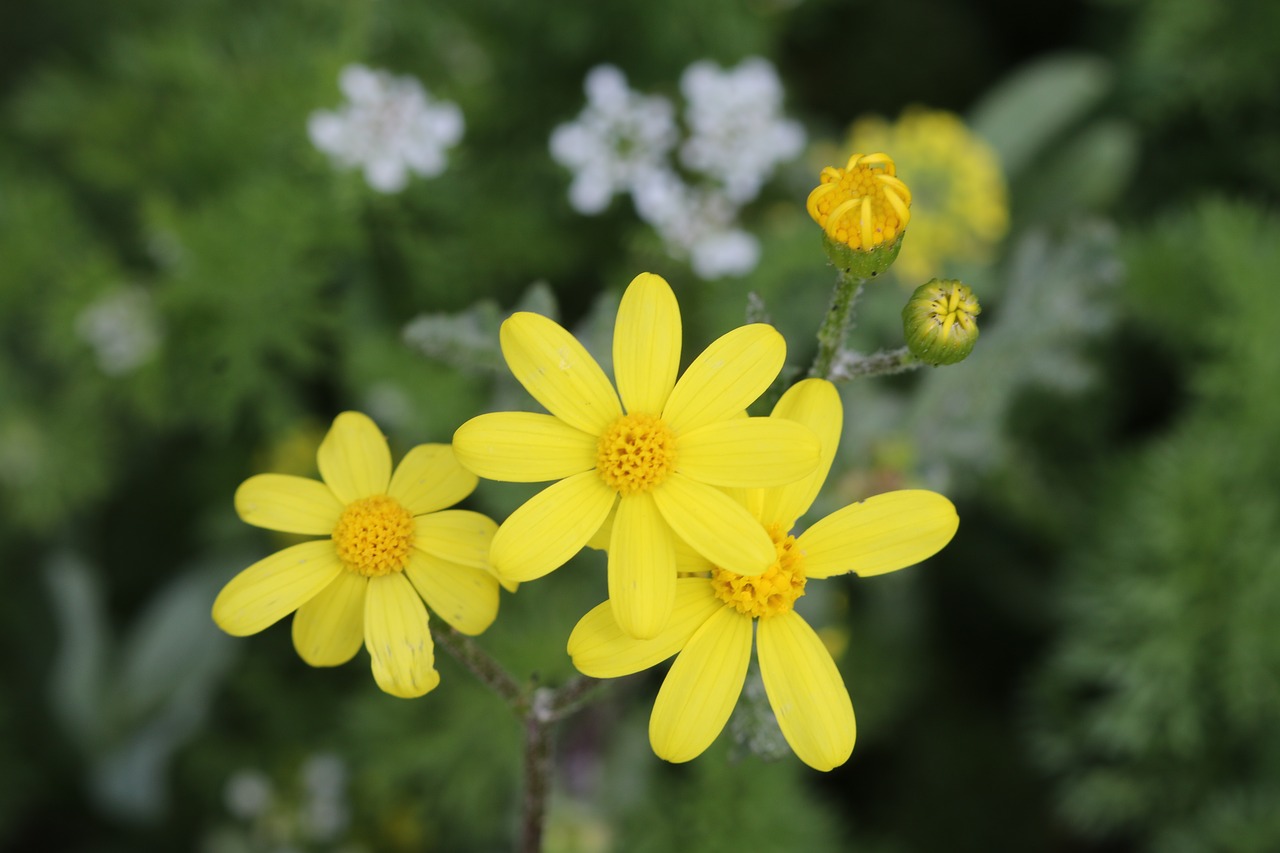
716,609
617,138
657,452
863,209
391,543
940,321
390,127
962,205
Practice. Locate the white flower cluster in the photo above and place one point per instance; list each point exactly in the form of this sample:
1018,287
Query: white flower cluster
389,127
121,328
622,142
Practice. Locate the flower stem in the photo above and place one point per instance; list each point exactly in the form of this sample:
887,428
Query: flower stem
835,326
853,365
482,665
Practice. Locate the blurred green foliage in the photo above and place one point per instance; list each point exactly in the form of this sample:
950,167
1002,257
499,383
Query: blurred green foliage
1090,665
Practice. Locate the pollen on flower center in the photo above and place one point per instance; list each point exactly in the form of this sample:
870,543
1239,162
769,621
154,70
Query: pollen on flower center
863,205
373,536
770,593
635,453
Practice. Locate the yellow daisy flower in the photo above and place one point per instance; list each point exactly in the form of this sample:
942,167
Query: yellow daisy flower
391,543
661,454
714,613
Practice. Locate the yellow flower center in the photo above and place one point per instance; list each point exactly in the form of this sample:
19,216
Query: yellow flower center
635,453
953,305
863,205
770,593
373,536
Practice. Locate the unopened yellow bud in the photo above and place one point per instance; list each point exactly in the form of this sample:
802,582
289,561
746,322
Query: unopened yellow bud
939,321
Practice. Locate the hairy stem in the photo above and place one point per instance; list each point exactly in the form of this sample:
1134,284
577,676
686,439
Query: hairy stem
835,326
853,365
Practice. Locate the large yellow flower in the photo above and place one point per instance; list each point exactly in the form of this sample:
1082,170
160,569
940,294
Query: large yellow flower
661,455
711,628
391,543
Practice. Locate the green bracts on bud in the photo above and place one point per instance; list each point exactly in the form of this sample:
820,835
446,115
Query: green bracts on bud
939,321
862,263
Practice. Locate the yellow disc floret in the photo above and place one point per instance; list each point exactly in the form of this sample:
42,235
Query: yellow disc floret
635,453
373,536
864,205
768,594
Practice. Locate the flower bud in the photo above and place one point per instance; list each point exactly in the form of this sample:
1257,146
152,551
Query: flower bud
863,209
939,322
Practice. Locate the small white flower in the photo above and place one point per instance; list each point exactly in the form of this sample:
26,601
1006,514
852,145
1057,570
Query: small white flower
121,328
618,137
697,223
248,794
737,133
389,127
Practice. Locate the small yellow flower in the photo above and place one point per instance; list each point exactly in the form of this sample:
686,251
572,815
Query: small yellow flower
863,209
658,450
391,543
961,205
711,629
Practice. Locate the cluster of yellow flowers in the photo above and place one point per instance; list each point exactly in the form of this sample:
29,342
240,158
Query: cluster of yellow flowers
695,503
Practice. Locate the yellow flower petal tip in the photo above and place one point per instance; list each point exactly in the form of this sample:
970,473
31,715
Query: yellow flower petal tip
376,523
863,209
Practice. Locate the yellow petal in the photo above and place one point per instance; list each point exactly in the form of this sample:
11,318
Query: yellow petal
288,504
275,586
805,691
601,538
726,378
558,372
816,404
398,637
646,344
353,458
327,630
881,534
430,478
715,526
524,447
456,535
600,648
702,687
463,596
551,527
642,567
689,560
748,452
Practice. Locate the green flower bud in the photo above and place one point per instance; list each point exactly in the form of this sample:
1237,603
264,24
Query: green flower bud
939,322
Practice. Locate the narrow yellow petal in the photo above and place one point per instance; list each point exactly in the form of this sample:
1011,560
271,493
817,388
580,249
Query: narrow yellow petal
642,567
715,526
327,630
748,452
275,586
816,404
600,648
523,447
456,535
704,683
646,344
726,378
689,560
430,478
881,534
463,596
551,527
558,372
805,691
398,637
353,458
288,504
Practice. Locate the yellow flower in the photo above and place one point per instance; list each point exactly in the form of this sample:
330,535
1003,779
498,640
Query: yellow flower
961,202
711,629
864,205
662,454
391,543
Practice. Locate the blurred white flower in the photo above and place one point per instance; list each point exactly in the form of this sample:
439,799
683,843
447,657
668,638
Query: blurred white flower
248,794
698,223
122,329
324,814
389,127
737,132
617,138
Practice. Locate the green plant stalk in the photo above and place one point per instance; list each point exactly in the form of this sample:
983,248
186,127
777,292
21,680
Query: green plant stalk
835,326
853,365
